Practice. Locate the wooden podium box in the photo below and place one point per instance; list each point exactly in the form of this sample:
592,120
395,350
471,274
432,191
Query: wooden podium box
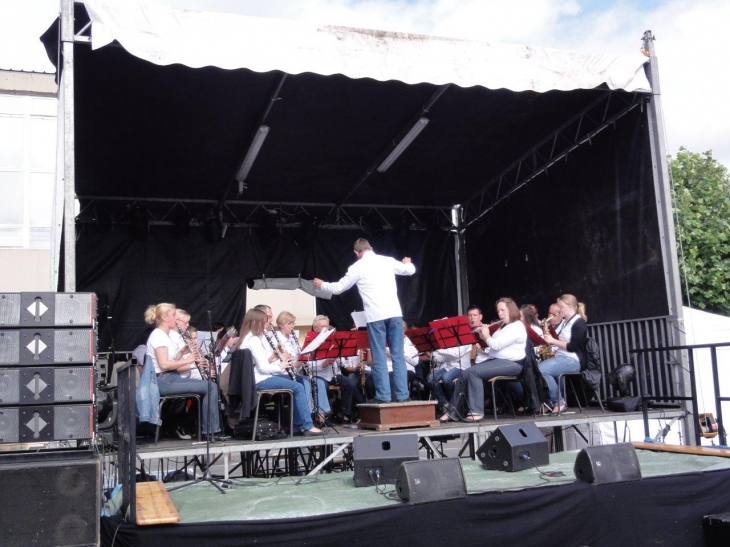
387,416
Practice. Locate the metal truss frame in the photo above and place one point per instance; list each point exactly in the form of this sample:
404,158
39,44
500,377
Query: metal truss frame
577,131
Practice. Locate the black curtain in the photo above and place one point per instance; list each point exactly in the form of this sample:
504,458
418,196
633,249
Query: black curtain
199,276
587,227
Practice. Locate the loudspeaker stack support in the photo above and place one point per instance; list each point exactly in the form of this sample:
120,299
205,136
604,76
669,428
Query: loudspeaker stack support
47,418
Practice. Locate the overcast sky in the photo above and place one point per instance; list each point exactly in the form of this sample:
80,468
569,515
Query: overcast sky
692,41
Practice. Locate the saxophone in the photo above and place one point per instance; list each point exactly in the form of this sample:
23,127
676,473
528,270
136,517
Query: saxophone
361,356
546,351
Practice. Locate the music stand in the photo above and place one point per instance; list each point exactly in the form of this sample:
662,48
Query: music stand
316,346
452,332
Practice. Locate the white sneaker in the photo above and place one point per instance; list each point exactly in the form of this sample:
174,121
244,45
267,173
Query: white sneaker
180,432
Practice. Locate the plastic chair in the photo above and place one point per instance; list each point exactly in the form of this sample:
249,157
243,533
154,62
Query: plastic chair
164,398
272,392
571,376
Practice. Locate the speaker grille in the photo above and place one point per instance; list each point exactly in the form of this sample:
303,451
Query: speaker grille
73,384
57,503
73,422
73,346
9,309
9,386
75,309
9,430
9,347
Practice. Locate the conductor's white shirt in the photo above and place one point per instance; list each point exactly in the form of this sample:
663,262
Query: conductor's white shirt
375,278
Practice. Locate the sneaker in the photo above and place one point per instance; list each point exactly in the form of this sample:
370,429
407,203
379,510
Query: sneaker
182,434
406,400
377,402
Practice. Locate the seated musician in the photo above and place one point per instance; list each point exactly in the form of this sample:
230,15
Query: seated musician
170,365
288,337
327,370
506,358
270,372
479,351
448,366
572,334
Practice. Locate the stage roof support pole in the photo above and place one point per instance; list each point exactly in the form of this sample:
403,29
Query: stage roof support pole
663,196
69,168
462,285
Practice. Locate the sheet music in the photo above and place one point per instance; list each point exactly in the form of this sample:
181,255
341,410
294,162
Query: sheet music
314,344
358,317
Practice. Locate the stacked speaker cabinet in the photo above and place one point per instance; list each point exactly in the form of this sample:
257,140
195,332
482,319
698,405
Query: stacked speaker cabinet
47,375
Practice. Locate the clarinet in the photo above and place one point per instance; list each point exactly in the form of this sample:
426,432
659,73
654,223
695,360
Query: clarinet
193,351
277,350
305,368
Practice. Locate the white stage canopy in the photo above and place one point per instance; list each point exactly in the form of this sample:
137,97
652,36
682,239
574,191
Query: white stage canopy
165,35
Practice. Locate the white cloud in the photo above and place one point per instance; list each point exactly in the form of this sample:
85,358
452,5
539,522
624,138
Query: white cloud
691,41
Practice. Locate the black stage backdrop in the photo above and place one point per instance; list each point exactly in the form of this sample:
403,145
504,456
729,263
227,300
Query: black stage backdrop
199,276
664,511
588,227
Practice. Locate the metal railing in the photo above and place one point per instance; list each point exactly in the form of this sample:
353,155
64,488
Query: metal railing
646,396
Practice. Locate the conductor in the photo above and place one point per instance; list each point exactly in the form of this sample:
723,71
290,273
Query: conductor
375,278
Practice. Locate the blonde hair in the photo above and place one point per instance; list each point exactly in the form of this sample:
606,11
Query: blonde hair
284,317
182,314
153,314
572,301
254,322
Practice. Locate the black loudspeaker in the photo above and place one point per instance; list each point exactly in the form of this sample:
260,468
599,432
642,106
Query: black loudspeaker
430,480
607,463
514,448
377,457
30,424
53,503
46,385
39,347
47,309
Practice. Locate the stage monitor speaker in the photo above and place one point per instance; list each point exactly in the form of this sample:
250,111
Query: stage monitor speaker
377,457
430,480
47,309
514,447
50,503
41,347
46,385
30,424
607,463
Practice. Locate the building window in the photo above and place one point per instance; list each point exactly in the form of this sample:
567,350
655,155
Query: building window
27,170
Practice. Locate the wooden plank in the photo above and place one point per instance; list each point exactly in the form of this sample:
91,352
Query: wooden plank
388,427
696,450
154,505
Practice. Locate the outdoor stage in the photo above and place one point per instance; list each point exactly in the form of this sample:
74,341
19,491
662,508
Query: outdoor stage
665,507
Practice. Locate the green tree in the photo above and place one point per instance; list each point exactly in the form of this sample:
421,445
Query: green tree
702,214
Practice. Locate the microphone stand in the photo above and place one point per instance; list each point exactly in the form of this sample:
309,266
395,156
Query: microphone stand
207,475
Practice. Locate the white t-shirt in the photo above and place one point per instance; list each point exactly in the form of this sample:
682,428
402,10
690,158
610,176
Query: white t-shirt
375,278
565,331
159,338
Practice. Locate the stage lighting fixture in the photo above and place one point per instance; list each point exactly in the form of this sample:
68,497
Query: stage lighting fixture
213,227
253,151
620,378
419,126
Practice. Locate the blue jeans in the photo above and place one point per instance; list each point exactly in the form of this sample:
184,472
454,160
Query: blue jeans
323,401
443,389
486,370
551,369
171,383
302,416
392,331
